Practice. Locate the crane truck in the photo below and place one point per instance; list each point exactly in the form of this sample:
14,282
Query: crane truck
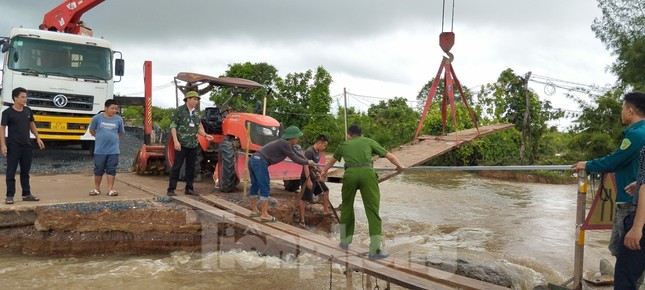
67,72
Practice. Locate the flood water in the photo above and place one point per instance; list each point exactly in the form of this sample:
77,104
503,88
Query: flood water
525,230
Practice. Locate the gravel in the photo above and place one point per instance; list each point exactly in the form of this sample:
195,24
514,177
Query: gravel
56,159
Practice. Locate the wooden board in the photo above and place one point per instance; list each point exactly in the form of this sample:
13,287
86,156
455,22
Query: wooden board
425,148
278,238
326,247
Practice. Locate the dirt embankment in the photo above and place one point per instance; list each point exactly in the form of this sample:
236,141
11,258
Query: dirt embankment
527,177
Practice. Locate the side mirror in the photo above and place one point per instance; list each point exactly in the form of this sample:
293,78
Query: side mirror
119,66
5,45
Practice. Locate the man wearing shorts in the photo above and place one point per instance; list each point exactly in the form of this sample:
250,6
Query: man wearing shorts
310,181
106,128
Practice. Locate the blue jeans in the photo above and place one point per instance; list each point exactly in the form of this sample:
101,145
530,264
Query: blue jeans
629,263
105,164
618,228
259,172
17,154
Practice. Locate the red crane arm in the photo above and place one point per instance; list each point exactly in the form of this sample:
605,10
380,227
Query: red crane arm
66,16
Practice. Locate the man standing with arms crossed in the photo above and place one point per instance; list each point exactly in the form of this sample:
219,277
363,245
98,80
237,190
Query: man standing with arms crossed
360,175
623,162
17,145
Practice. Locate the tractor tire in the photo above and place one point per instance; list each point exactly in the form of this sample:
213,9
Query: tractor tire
291,185
227,162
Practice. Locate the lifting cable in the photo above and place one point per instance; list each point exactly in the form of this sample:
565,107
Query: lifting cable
443,13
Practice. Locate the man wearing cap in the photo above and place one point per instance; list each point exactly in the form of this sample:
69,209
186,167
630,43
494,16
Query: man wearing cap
359,174
184,129
271,153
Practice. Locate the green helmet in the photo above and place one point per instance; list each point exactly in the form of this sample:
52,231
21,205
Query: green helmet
291,132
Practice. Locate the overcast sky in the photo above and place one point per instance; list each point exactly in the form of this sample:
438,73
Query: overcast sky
371,47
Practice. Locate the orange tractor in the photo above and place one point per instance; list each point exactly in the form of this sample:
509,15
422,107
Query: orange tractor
234,134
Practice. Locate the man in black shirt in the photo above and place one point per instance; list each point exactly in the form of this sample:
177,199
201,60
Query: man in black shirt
17,145
310,180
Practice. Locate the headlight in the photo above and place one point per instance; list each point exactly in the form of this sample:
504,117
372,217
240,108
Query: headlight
265,131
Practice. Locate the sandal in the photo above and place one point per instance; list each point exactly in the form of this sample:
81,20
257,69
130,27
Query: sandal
94,192
302,225
255,214
30,198
113,193
269,220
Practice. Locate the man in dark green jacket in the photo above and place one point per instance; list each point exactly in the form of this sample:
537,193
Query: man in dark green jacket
623,162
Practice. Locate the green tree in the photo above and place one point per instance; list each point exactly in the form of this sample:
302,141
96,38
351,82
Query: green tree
505,102
394,121
598,127
433,123
134,116
245,100
622,29
302,98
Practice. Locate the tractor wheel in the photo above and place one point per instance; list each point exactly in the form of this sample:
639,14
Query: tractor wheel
291,185
226,166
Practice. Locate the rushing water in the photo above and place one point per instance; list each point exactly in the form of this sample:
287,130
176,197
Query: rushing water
525,230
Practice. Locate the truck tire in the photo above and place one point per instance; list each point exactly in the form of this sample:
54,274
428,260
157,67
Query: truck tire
89,146
226,165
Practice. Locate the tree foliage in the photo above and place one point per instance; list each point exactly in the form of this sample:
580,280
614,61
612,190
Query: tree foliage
505,102
622,29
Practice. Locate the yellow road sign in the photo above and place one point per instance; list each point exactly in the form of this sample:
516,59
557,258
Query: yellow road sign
603,209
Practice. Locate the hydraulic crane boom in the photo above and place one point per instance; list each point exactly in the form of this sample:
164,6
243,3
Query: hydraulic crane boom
66,16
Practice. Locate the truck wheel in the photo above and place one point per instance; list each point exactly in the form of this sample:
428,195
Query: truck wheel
89,146
227,172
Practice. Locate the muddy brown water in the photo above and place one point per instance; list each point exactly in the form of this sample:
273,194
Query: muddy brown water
525,230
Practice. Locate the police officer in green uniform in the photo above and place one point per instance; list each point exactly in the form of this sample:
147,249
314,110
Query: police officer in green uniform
357,153
623,162
184,129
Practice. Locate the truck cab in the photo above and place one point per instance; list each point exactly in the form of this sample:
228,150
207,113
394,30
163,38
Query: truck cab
68,77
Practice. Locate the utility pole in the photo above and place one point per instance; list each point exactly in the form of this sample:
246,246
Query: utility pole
345,97
525,125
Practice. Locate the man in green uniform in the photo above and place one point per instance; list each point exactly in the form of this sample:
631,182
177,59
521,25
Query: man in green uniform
184,129
357,153
623,162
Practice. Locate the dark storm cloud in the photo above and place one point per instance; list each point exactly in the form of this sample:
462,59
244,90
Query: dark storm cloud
166,21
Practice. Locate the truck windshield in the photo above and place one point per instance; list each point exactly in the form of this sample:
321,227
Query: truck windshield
49,57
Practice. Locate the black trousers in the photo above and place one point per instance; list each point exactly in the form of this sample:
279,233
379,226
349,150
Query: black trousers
18,155
190,156
630,264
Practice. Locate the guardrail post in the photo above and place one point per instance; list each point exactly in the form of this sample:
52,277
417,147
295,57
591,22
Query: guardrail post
580,232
